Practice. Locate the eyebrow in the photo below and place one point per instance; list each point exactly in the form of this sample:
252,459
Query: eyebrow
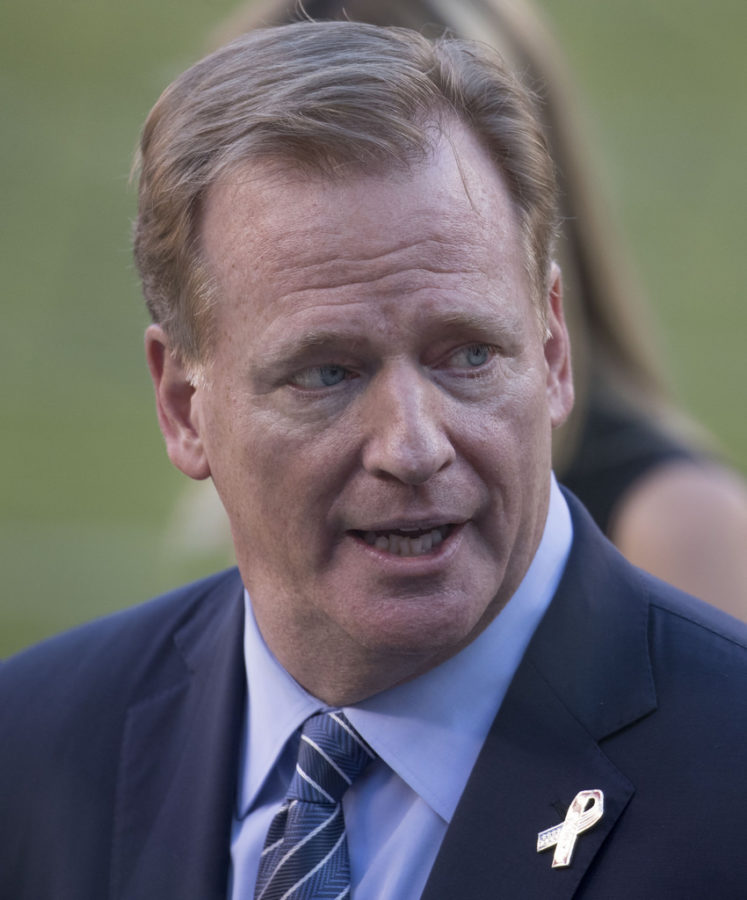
319,339
509,325
309,341
463,321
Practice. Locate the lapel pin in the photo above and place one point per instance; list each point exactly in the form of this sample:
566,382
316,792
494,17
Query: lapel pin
585,811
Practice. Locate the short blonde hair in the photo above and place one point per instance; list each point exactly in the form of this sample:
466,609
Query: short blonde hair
325,97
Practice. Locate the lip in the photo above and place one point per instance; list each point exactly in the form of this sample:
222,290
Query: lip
413,524
429,563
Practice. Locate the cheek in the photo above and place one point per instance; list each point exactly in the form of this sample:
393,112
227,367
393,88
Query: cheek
511,433
277,478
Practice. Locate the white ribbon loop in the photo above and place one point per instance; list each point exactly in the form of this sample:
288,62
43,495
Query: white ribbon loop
585,811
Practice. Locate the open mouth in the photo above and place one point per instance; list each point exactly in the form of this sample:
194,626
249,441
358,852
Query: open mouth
406,542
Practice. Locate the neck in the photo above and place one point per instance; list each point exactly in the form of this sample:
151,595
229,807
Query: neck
342,673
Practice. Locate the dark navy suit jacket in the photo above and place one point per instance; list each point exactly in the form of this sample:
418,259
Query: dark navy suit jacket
119,744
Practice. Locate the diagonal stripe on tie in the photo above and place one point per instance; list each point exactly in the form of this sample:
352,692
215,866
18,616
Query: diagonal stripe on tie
306,855
328,758
317,787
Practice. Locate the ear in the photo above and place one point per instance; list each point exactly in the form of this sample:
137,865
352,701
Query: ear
558,353
177,403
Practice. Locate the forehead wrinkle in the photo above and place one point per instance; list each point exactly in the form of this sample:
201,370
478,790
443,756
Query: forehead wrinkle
336,269
451,242
408,281
432,316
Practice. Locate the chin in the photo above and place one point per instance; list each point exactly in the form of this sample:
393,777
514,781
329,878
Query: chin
421,627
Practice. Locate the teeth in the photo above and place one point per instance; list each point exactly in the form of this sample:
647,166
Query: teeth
404,545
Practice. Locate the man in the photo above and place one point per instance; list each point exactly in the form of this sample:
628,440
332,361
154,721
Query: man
344,235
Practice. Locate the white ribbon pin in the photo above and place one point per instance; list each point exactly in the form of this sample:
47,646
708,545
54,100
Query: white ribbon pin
586,810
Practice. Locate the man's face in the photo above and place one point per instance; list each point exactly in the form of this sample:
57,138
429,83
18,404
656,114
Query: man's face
377,412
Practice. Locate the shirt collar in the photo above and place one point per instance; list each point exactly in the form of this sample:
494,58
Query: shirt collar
277,706
448,709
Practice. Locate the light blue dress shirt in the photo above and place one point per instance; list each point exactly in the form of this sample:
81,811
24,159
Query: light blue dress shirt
427,732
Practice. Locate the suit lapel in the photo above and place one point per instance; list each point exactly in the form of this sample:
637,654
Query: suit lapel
178,766
585,675
534,762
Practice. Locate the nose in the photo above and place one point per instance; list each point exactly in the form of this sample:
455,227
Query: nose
406,435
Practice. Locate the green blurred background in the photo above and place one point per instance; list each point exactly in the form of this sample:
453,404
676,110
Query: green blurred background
87,494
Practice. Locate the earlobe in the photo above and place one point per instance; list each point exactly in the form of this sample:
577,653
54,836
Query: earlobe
558,353
177,404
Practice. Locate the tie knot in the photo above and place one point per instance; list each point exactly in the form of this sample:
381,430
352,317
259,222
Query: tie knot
331,755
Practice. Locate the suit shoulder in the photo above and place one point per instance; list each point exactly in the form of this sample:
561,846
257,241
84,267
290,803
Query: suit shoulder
596,561
99,651
692,621
698,659
66,706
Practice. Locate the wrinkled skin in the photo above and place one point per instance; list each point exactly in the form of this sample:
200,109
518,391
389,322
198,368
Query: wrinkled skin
377,409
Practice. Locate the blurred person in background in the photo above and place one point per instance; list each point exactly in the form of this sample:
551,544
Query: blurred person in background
647,473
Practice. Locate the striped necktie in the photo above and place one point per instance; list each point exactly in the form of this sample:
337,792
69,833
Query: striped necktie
306,854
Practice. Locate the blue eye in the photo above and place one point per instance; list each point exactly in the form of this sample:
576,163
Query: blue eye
316,377
471,357
330,375
477,354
